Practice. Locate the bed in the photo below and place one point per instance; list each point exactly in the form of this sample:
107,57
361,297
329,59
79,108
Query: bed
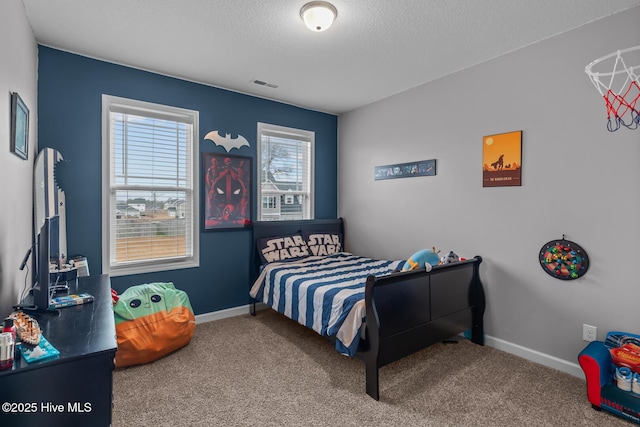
365,306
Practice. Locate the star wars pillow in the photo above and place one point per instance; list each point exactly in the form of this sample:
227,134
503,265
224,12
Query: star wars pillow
290,247
323,243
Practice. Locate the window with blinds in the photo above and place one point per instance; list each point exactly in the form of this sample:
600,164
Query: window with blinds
150,190
286,173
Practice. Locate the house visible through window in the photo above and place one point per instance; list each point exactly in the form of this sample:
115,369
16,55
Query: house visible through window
150,190
286,171
269,202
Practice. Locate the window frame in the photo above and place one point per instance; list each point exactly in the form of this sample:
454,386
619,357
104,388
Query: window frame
269,202
294,134
147,109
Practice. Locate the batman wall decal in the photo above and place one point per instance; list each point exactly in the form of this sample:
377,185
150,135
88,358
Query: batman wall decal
226,141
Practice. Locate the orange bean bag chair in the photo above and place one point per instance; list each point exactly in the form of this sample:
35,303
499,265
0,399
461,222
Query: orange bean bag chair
152,320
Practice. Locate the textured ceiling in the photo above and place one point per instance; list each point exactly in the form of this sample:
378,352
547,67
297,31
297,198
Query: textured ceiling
375,48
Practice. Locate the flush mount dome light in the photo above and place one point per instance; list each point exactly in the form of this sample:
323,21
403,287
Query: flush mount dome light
318,15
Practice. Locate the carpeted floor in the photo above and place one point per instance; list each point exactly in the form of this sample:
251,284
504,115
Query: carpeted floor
269,371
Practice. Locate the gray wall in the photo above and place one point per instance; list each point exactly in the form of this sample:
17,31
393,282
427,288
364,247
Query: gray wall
578,179
18,71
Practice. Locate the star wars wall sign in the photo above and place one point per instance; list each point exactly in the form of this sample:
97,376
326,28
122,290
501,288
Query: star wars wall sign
502,160
227,191
405,170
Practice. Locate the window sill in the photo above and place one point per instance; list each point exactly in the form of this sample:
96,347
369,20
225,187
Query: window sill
151,268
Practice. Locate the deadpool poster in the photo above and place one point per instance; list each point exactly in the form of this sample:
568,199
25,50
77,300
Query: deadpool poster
227,187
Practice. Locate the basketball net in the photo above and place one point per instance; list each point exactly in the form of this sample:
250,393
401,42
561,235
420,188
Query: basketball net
619,87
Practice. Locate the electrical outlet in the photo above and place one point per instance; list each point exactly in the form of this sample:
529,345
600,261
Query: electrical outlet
589,332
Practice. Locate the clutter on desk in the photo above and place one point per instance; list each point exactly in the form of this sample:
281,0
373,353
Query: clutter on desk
43,351
27,328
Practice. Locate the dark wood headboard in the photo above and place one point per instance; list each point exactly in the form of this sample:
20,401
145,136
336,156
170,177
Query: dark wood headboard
262,229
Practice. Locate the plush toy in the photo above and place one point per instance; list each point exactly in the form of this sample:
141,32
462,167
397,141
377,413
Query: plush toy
426,258
449,258
152,320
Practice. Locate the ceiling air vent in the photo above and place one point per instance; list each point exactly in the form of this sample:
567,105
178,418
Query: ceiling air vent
261,83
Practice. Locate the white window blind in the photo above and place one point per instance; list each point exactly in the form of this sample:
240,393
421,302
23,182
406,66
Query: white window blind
150,190
286,172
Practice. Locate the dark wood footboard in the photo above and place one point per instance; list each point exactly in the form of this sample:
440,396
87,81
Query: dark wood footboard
409,311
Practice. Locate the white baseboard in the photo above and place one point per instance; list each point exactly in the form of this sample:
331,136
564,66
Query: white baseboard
229,312
515,349
535,356
222,314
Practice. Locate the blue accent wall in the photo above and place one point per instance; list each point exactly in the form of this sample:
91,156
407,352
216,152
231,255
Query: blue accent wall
70,89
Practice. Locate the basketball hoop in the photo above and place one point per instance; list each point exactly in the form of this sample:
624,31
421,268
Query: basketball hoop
619,87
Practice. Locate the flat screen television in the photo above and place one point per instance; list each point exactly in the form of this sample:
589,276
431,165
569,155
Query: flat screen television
48,253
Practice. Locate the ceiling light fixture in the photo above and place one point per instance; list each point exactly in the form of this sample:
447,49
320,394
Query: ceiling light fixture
318,15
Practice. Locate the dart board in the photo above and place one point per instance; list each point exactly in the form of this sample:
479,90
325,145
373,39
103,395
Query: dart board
564,259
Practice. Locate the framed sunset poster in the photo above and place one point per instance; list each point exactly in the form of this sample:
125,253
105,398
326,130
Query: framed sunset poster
502,160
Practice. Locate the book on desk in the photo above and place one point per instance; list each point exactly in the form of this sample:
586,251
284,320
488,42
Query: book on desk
70,300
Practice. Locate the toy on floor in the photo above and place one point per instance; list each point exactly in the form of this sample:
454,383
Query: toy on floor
152,320
612,384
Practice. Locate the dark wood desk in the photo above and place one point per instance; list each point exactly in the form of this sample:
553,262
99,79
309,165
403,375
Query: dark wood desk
75,389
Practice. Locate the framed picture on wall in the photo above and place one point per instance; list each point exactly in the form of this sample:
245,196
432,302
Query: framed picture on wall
19,126
502,160
227,191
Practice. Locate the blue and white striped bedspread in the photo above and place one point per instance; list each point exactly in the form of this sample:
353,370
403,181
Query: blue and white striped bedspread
322,293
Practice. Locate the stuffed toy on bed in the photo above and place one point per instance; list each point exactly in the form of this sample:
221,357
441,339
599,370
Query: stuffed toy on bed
449,258
425,258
